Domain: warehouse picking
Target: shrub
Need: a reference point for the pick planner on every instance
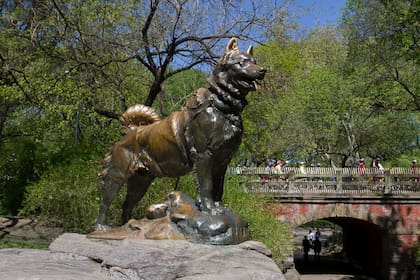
(66, 196)
(263, 225)
(16, 169)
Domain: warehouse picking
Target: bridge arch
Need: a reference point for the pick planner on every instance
(332, 210)
(377, 236)
(338, 210)
(365, 245)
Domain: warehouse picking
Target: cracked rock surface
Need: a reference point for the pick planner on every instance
(73, 256)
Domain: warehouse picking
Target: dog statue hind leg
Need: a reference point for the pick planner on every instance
(137, 186)
(119, 166)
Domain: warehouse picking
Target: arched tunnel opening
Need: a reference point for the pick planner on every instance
(349, 246)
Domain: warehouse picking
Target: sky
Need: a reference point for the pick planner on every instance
(315, 13)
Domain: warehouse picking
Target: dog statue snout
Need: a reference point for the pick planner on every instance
(262, 70)
(261, 73)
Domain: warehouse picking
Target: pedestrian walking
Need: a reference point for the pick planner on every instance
(317, 248)
(306, 247)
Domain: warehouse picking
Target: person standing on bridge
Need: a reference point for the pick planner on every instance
(278, 167)
(302, 167)
(376, 163)
(361, 167)
(414, 169)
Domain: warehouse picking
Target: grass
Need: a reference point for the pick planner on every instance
(16, 242)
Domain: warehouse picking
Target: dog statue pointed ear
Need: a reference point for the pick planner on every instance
(232, 45)
(250, 51)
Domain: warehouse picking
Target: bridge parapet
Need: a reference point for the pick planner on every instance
(369, 181)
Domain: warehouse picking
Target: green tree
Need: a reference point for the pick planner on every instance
(177, 89)
(163, 38)
(383, 39)
(78, 64)
(319, 109)
(269, 109)
(343, 120)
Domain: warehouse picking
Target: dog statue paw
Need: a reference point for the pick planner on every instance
(101, 228)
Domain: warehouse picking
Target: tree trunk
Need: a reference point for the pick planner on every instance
(155, 89)
(353, 150)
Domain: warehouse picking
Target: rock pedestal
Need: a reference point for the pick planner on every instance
(73, 256)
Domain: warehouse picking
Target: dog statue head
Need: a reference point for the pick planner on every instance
(237, 73)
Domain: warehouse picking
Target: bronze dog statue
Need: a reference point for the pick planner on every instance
(201, 138)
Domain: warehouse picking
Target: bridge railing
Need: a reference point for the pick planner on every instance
(330, 180)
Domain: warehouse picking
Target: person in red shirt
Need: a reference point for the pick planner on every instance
(361, 167)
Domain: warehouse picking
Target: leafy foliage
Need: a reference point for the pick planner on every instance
(268, 110)
(262, 224)
(177, 89)
(321, 109)
(383, 41)
(67, 196)
(16, 163)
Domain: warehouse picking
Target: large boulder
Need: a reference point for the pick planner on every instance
(73, 256)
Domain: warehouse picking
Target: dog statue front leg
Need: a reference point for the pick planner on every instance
(204, 184)
(205, 189)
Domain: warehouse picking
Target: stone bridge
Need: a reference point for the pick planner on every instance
(379, 212)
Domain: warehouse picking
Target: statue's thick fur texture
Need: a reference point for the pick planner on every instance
(202, 138)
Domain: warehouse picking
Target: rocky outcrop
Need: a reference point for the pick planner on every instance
(73, 256)
(27, 229)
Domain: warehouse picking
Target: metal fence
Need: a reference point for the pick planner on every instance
(395, 180)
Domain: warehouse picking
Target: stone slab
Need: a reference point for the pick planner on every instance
(73, 256)
(31, 264)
